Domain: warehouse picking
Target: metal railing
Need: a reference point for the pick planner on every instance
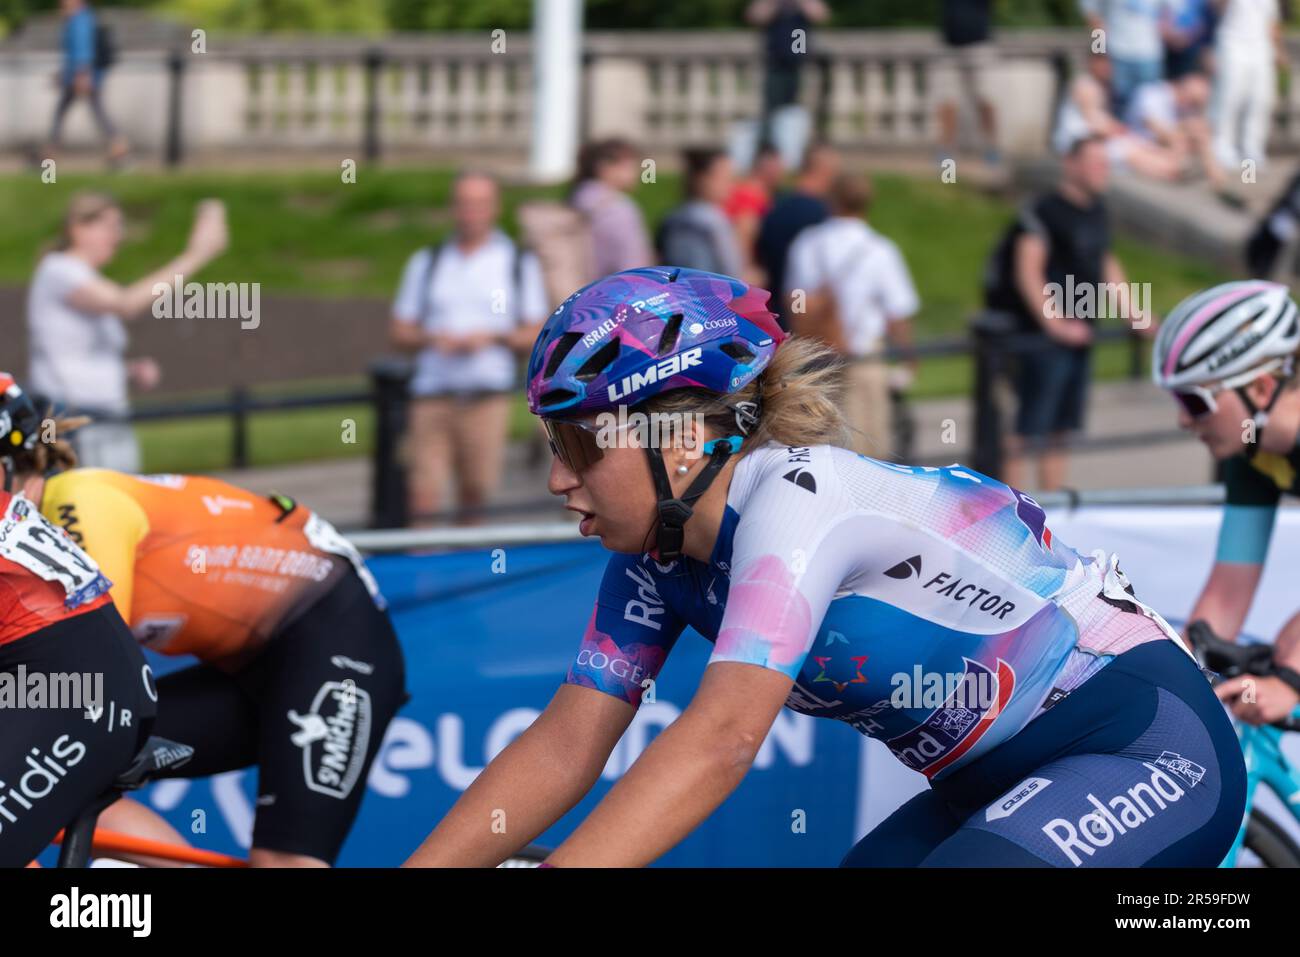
(992, 345)
(238, 407)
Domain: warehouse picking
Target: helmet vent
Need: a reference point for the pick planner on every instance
(599, 362)
(737, 351)
(563, 346)
(672, 331)
(555, 397)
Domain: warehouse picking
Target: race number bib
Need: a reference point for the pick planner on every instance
(28, 539)
(326, 537)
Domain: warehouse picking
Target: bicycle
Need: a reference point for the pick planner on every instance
(1261, 747)
(77, 838)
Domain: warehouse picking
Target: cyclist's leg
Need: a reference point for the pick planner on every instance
(905, 837)
(55, 761)
(211, 712)
(335, 678)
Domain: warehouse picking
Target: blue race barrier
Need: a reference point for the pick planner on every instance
(488, 637)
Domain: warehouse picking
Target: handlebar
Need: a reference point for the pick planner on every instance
(1227, 659)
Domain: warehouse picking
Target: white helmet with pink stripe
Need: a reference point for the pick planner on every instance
(1228, 334)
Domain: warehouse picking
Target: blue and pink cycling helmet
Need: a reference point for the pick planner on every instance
(639, 333)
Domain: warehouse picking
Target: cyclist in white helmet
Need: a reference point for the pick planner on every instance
(1227, 354)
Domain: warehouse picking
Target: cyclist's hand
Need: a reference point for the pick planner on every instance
(1257, 700)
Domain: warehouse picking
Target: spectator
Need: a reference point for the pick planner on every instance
(698, 234)
(858, 292)
(607, 171)
(751, 198)
(1131, 30)
(1272, 245)
(1172, 116)
(1188, 32)
(84, 64)
(462, 307)
(1085, 112)
(1248, 48)
(967, 32)
(803, 206)
(786, 24)
(1061, 242)
(77, 340)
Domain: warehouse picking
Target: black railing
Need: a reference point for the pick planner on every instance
(994, 344)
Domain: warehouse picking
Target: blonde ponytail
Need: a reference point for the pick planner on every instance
(800, 394)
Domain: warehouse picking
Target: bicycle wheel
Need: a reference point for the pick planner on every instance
(1269, 843)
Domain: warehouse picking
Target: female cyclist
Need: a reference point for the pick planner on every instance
(1078, 732)
(57, 626)
(1228, 356)
(299, 668)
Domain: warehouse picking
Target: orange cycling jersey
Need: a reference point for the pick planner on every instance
(199, 566)
(44, 576)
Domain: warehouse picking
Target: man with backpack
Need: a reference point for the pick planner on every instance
(464, 308)
(88, 52)
(857, 295)
(1052, 268)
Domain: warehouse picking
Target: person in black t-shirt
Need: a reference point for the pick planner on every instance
(967, 31)
(785, 49)
(1064, 273)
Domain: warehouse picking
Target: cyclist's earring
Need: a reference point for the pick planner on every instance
(682, 469)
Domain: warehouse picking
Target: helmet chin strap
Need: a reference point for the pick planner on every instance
(1258, 415)
(674, 511)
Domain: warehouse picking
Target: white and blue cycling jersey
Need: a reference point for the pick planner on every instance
(933, 609)
(877, 587)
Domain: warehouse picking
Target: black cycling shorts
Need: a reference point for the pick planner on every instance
(56, 760)
(1138, 767)
(310, 711)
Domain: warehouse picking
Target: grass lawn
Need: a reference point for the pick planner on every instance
(311, 233)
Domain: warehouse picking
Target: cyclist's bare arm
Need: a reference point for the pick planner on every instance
(689, 769)
(1226, 598)
(531, 784)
